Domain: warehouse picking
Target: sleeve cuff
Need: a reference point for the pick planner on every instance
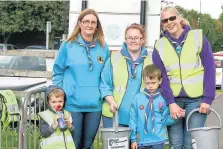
(170, 101)
(207, 100)
(133, 140)
(104, 95)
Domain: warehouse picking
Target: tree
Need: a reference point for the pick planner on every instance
(209, 25)
(20, 16)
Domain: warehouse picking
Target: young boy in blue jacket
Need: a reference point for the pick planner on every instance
(149, 113)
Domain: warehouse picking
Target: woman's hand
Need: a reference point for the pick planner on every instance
(204, 108)
(175, 111)
(113, 105)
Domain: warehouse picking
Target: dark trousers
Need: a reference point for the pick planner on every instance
(85, 128)
(158, 146)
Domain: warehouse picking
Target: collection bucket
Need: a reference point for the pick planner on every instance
(204, 137)
(115, 137)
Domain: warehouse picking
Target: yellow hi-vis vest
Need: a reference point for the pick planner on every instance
(56, 140)
(9, 108)
(120, 79)
(184, 70)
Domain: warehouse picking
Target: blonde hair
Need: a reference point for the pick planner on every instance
(57, 93)
(183, 21)
(99, 35)
(138, 27)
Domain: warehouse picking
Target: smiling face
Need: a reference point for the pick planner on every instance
(88, 25)
(171, 22)
(134, 40)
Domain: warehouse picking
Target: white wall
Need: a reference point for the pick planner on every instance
(116, 15)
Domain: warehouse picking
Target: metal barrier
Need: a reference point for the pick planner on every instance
(33, 104)
(25, 134)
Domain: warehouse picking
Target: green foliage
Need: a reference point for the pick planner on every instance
(20, 16)
(211, 27)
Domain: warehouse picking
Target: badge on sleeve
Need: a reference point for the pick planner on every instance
(100, 60)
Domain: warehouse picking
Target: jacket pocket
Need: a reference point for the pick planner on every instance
(87, 96)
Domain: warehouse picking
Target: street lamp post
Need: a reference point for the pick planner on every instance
(222, 26)
(222, 47)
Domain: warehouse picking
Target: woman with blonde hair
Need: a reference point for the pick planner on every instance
(185, 58)
(77, 70)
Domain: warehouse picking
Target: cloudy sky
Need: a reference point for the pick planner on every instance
(213, 7)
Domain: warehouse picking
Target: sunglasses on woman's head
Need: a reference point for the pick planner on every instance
(170, 19)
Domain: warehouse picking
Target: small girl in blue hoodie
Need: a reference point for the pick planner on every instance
(149, 113)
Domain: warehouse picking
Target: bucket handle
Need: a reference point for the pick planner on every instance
(115, 121)
(196, 110)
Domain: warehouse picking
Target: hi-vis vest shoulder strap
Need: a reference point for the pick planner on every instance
(186, 69)
(120, 79)
(9, 108)
(56, 140)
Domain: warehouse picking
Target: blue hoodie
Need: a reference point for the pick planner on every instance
(133, 85)
(77, 70)
(157, 120)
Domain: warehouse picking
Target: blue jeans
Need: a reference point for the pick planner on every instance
(85, 128)
(178, 135)
(108, 122)
(157, 146)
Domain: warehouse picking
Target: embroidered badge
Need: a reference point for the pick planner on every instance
(141, 107)
(100, 60)
(160, 106)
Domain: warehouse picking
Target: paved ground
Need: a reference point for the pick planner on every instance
(212, 119)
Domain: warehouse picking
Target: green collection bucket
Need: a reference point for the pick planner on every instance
(204, 137)
(115, 137)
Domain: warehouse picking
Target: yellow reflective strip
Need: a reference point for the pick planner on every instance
(54, 139)
(119, 89)
(160, 48)
(194, 79)
(116, 57)
(173, 80)
(197, 39)
(13, 108)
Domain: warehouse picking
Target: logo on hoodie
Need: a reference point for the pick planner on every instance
(100, 60)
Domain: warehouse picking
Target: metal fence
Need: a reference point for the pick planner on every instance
(25, 133)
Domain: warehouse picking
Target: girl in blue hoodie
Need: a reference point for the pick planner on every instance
(77, 70)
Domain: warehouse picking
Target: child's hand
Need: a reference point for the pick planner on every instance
(55, 124)
(134, 145)
(182, 113)
(67, 121)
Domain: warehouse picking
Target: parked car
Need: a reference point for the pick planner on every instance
(18, 83)
(36, 47)
(219, 68)
(7, 47)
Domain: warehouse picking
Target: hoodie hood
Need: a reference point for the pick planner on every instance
(184, 33)
(49, 90)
